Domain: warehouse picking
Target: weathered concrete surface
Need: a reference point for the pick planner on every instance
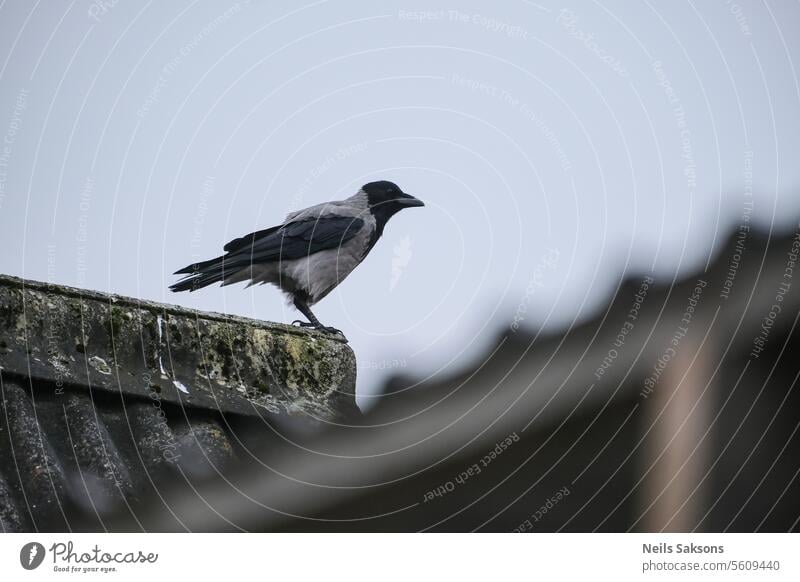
(76, 338)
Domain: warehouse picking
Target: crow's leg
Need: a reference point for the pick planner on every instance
(302, 306)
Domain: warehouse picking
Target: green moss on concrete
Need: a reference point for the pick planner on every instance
(197, 359)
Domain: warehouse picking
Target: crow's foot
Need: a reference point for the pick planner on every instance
(319, 327)
(332, 330)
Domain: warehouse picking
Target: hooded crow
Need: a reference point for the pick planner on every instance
(310, 253)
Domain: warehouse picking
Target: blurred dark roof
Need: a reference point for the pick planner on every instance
(710, 445)
(691, 425)
(104, 397)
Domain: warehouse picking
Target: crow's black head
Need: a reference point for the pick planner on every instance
(386, 198)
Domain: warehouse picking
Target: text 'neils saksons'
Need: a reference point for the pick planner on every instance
(664, 548)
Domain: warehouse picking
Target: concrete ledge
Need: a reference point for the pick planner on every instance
(72, 337)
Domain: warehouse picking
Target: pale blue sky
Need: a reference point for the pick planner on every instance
(557, 146)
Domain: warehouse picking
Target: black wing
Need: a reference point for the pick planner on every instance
(294, 240)
(249, 239)
(300, 239)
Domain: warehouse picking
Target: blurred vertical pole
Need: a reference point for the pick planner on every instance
(677, 448)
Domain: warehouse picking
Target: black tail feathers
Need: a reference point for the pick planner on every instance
(199, 275)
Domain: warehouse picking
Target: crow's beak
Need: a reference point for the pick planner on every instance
(409, 201)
